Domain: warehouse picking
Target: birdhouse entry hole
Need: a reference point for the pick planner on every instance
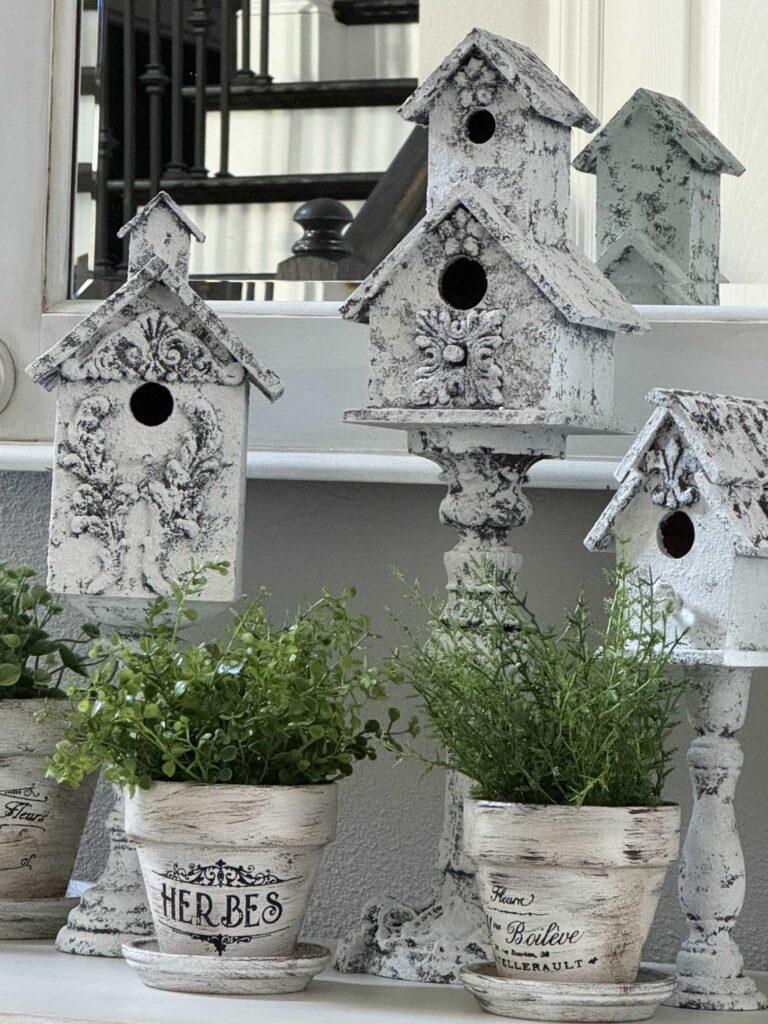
(463, 283)
(676, 534)
(480, 126)
(151, 404)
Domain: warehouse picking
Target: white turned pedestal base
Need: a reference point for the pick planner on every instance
(114, 910)
(432, 943)
(711, 884)
(484, 470)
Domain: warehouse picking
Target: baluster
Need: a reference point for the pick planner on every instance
(711, 883)
(129, 118)
(244, 74)
(176, 168)
(198, 21)
(225, 78)
(101, 263)
(154, 80)
(263, 77)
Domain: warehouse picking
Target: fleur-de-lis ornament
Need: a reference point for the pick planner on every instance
(673, 466)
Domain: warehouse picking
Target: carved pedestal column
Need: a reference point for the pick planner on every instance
(114, 910)
(484, 470)
(711, 886)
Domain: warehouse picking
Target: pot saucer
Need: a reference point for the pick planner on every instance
(34, 919)
(213, 974)
(566, 1001)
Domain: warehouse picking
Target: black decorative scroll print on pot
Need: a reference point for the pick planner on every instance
(198, 901)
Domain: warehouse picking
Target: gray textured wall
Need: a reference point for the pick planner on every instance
(300, 536)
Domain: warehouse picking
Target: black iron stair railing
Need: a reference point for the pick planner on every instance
(256, 188)
(162, 65)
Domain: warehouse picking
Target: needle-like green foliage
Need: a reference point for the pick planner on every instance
(534, 715)
(34, 656)
(260, 705)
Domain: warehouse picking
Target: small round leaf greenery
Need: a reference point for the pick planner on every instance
(34, 657)
(577, 716)
(258, 706)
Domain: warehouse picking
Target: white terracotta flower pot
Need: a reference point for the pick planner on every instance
(229, 869)
(569, 892)
(41, 822)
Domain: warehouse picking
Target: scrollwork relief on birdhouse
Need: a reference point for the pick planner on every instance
(151, 413)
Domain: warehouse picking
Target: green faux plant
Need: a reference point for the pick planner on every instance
(534, 715)
(34, 658)
(258, 706)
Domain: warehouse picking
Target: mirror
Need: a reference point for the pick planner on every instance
(274, 125)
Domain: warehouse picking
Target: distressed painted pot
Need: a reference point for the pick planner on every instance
(229, 869)
(41, 822)
(569, 893)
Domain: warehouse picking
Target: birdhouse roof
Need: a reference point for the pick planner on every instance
(525, 72)
(121, 307)
(671, 280)
(728, 437)
(676, 124)
(565, 276)
(161, 199)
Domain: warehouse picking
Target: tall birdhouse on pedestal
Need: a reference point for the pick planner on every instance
(691, 513)
(491, 339)
(658, 201)
(151, 416)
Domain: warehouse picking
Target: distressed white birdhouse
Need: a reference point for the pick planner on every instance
(485, 313)
(151, 416)
(658, 201)
(500, 118)
(691, 511)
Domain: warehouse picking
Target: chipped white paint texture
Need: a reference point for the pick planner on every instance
(160, 229)
(484, 469)
(658, 201)
(40, 822)
(149, 475)
(114, 910)
(569, 892)
(581, 1003)
(229, 869)
(533, 113)
(254, 976)
(152, 405)
(491, 339)
(711, 884)
(705, 457)
(545, 308)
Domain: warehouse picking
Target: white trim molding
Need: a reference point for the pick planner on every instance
(350, 467)
(323, 361)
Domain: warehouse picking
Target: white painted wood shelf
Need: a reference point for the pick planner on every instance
(39, 984)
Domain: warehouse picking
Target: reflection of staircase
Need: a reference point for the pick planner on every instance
(175, 103)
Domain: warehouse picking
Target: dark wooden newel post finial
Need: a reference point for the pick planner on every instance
(323, 222)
